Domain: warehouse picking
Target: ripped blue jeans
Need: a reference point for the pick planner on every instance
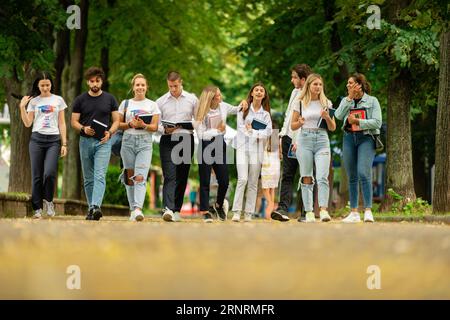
(136, 155)
(313, 148)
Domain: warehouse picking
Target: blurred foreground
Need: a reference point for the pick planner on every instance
(118, 259)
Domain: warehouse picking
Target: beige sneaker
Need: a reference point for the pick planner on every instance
(236, 217)
(368, 216)
(310, 217)
(324, 216)
(353, 217)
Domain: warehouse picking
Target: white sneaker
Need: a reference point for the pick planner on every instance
(353, 217)
(310, 217)
(37, 214)
(368, 216)
(324, 216)
(132, 216)
(247, 217)
(176, 217)
(49, 208)
(236, 217)
(168, 215)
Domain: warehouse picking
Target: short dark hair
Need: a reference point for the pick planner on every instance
(173, 76)
(43, 75)
(94, 72)
(302, 70)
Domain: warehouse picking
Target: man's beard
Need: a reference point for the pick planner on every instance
(95, 89)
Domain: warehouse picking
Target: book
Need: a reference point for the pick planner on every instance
(214, 121)
(322, 123)
(183, 124)
(147, 118)
(359, 113)
(99, 128)
(291, 154)
(258, 125)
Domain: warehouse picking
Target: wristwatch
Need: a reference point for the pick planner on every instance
(82, 129)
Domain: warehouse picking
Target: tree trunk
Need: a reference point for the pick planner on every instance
(72, 165)
(399, 168)
(441, 196)
(20, 169)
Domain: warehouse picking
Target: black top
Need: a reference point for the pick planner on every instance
(98, 108)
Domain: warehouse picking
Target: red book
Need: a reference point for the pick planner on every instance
(359, 113)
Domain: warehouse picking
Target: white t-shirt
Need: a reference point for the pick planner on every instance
(136, 108)
(46, 111)
(311, 113)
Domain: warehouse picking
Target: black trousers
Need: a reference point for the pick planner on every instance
(44, 155)
(176, 152)
(290, 167)
(209, 159)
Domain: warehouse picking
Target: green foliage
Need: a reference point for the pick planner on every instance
(115, 192)
(417, 206)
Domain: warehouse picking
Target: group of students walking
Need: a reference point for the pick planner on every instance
(176, 115)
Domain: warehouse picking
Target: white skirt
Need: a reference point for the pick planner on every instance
(270, 170)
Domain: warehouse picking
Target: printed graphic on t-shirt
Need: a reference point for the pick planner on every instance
(138, 112)
(47, 110)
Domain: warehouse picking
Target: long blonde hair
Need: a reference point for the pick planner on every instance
(305, 95)
(205, 102)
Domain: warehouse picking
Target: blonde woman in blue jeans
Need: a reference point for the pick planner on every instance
(136, 151)
(358, 149)
(313, 144)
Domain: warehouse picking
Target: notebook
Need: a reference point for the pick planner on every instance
(322, 123)
(99, 128)
(258, 125)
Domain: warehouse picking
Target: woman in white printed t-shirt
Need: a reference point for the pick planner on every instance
(254, 127)
(48, 141)
(136, 151)
(313, 144)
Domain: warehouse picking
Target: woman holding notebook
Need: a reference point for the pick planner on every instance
(312, 115)
(361, 114)
(140, 118)
(254, 127)
(210, 123)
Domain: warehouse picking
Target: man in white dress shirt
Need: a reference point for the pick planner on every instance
(176, 145)
(299, 73)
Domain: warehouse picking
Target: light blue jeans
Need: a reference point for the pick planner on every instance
(136, 155)
(313, 147)
(94, 163)
(358, 154)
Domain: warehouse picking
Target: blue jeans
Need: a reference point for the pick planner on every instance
(136, 155)
(358, 154)
(94, 163)
(313, 147)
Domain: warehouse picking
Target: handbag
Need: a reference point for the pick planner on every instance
(379, 146)
(116, 139)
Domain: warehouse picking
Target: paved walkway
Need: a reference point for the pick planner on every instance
(118, 259)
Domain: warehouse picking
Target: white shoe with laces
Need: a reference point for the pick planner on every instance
(247, 217)
(49, 208)
(353, 217)
(168, 215)
(236, 217)
(132, 216)
(310, 217)
(37, 214)
(368, 216)
(138, 215)
(324, 216)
